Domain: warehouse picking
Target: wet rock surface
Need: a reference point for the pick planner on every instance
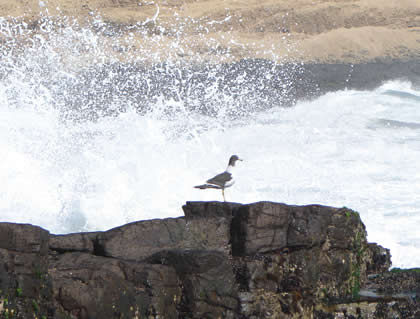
(397, 281)
(222, 260)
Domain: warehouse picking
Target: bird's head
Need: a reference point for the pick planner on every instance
(233, 160)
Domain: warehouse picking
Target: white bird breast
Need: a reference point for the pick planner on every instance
(230, 183)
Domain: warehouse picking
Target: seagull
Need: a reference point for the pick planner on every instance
(222, 180)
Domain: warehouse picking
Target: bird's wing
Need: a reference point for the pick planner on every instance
(205, 186)
(220, 179)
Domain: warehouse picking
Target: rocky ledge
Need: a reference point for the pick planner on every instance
(222, 260)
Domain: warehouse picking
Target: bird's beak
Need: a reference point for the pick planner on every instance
(240, 159)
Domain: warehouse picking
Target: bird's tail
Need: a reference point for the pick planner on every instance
(204, 186)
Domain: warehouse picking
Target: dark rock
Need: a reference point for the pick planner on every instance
(259, 228)
(222, 260)
(24, 280)
(209, 209)
(82, 242)
(397, 281)
(24, 238)
(305, 248)
(381, 259)
(139, 240)
(88, 286)
(209, 287)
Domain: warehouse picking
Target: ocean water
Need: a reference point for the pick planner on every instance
(89, 143)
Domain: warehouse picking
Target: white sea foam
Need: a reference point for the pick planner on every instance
(358, 149)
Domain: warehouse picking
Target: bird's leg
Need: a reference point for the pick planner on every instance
(223, 193)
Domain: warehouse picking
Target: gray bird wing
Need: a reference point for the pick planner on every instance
(220, 179)
(205, 186)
